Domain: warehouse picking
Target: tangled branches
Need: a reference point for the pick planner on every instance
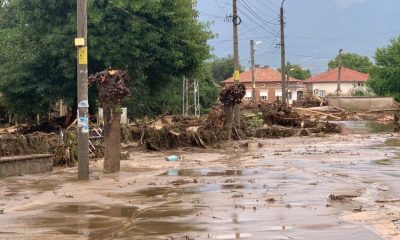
(232, 94)
(113, 86)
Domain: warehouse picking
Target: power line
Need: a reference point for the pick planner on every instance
(345, 38)
(154, 27)
(261, 4)
(258, 16)
(260, 23)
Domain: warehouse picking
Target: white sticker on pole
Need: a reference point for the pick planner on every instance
(83, 123)
(83, 104)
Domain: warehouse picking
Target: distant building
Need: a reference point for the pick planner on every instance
(268, 85)
(326, 83)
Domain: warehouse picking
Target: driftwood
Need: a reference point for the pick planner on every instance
(72, 124)
(318, 113)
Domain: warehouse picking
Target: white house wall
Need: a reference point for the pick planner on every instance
(330, 88)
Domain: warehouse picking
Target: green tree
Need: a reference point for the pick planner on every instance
(352, 61)
(156, 41)
(297, 71)
(222, 68)
(384, 77)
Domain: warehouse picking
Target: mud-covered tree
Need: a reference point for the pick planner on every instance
(384, 77)
(156, 41)
(113, 87)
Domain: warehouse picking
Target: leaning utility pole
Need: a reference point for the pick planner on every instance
(253, 77)
(82, 86)
(236, 74)
(338, 91)
(283, 61)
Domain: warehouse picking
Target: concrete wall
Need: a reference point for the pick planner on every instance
(363, 103)
(17, 165)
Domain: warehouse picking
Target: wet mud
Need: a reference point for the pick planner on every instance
(335, 187)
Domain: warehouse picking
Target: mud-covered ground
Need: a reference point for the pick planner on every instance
(331, 187)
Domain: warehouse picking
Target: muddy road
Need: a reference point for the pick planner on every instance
(330, 187)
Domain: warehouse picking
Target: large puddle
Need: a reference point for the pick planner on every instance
(286, 196)
(357, 127)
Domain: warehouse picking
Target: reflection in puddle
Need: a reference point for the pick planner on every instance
(234, 236)
(211, 172)
(354, 127)
(383, 162)
(110, 222)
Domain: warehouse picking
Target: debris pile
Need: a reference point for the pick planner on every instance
(17, 144)
(280, 114)
(310, 101)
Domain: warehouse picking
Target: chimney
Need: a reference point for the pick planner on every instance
(257, 65)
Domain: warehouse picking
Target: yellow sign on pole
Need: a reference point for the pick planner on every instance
(236, 75)
(83, 55)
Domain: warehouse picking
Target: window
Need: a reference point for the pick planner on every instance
(263, 95)
(321, 93)
(248, 95)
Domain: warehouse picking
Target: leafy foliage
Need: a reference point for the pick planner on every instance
(352, 61)
(297, 71)
(158, 42)
(222, 68)
(385, 76)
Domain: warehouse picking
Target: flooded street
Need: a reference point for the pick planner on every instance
(328, 187)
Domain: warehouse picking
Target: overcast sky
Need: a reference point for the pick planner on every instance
(315, 29)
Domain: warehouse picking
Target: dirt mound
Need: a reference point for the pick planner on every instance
(17, 144)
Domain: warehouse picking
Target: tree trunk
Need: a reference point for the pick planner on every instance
(396, 122)
(228, 111)
(112, 139)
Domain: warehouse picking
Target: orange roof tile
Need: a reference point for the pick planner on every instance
(262, 75)
(347, 75)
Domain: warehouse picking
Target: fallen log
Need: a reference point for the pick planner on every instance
(318, 113)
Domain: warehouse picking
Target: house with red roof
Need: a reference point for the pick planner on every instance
(267, 85)
(326, 83)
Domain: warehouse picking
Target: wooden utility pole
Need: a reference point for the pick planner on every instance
(253, 74)
(338, 91)
(82, 86)
(283, 60)
(236, 74)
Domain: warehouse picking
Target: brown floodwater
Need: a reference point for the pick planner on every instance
(335, 187)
